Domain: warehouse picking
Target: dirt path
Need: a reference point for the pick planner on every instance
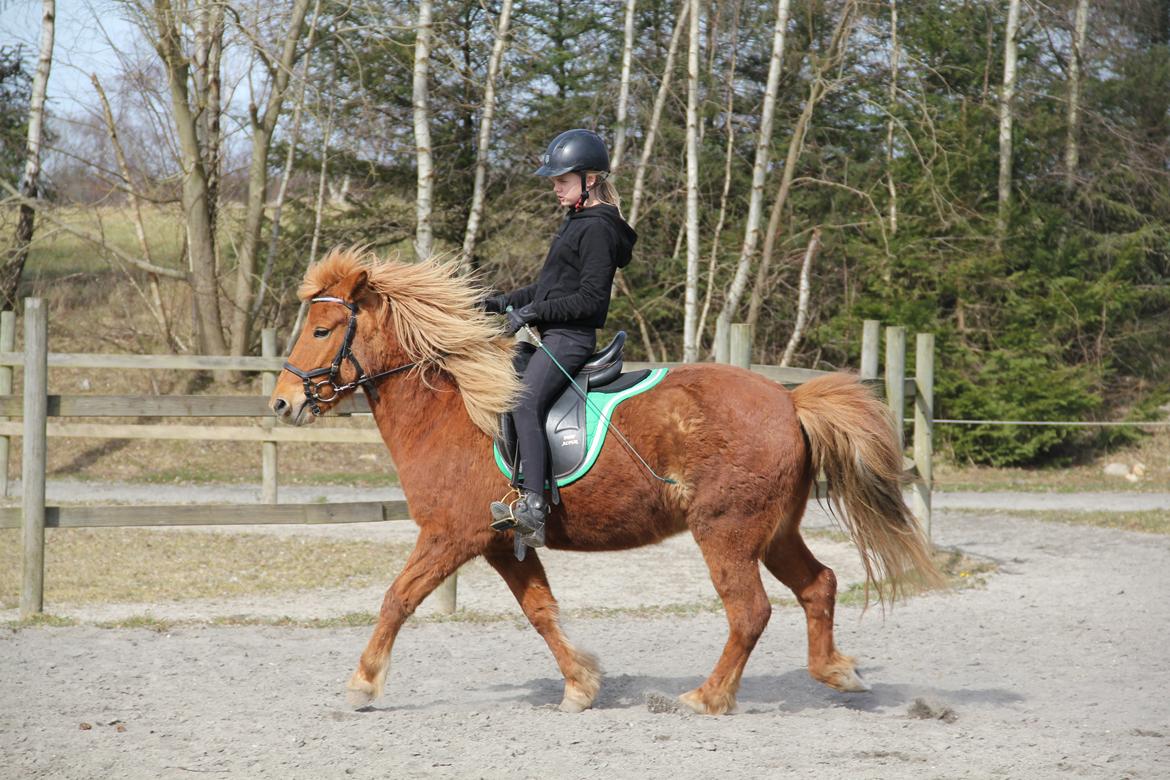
(1056, 668)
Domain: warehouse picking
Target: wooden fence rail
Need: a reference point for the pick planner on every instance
(35, 406)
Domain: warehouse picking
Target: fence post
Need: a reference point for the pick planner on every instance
(871, 336)
(7, 344)
(924, 425)
(896, 379)
(722, 342)
(741, 345)
(268, 451)
(36, 410)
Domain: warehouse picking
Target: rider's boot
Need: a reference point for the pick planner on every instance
(530, 513)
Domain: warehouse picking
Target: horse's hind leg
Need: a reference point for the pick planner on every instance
(815, 586)
(529, 585)
(435, 557)
(735, 572)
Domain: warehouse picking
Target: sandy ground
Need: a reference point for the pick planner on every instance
(1057, 667)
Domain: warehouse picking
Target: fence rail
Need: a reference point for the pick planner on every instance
(35, 406)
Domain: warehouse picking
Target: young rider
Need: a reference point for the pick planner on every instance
(567, 304)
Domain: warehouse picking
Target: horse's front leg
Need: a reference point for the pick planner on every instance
(434, 559)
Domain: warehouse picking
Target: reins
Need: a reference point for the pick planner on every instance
(314, 390)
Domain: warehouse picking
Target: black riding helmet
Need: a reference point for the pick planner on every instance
(575, 151)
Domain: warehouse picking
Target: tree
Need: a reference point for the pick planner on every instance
(1006, 98)
(691, 316)
(17, 256)
(424, 236)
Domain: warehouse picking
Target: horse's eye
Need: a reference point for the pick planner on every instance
(320, 333)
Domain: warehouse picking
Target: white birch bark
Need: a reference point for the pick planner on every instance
(656, 114)
(894, 54)
(691, 313)
(619, 142)
(1006, 99)
(1072, 150)
(424, 237)
(810, 254)
(485, 133)
(759, 169)
(13, 268)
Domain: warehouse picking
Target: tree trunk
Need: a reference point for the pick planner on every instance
(810, 254)
(816, 91)
(1005, 121)
(263, 127)
(691, 313)
(196, 205)
(208, 81)
(619, 142)
(424, 237)
(729, 127)
(890, 187)
(1072, 151)
(656, 114)
(13, 270)
(759, 169)
(485, 134)
(317, 214)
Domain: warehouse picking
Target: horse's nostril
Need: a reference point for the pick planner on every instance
(280, 406)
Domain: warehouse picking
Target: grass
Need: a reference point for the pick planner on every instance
(1148, 522)
(120, 565)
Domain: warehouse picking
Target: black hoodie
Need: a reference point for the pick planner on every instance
(573, 287)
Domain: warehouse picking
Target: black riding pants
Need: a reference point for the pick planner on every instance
(543, 384)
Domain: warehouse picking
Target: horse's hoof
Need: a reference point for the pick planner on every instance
(846, 680)
(715, 705)
(573, 704)
(359, 693)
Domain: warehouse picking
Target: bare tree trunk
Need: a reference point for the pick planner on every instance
(424, 237)
(154, 303)
(759, 169)
(263, 127)
(286, 175)
(691, 305)
(485, 134)
(317, 213)
(196, 205)
(816, 91)
(619, 143)
(656, 113)
(810, 254)
(729, 126)
(1072, 151)
(1005, 121)
(13, 269)
(893, 190)
(208, 82)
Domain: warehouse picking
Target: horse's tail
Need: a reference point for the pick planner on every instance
(851, 439)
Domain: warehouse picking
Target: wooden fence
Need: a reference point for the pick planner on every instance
(36, 406)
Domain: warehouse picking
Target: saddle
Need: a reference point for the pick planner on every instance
(567, 425)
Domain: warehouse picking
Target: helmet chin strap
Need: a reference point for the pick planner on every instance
(584, 193)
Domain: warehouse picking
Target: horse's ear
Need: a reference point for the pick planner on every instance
(353, 286)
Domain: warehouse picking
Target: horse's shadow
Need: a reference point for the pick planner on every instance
(790, 692)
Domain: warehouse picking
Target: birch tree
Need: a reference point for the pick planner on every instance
(1006, 98)
(263, 126)
(619, 142)
(1072, 151)
(13, 269)
(485, 134)
(424, 236)
(690, 317)
(892, 207)
(810, 253)
(759, 171)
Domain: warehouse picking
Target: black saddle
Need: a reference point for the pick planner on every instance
(565, 426)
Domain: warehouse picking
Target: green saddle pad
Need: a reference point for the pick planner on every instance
(576, 430)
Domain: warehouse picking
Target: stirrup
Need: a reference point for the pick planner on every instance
(503, 518)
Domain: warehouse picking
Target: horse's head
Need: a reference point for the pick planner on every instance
(339, 349)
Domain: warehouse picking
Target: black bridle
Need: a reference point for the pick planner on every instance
(314, 391)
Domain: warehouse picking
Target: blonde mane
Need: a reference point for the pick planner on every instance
(433, 313)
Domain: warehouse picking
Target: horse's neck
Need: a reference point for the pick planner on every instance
(424, 423)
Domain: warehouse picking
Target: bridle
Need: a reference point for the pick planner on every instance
(315, 391)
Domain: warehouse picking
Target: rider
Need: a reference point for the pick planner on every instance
(567, 303)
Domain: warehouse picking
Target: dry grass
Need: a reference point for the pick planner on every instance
(1148, 522)
(130, 565)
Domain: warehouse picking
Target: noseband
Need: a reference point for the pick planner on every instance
(315, 392)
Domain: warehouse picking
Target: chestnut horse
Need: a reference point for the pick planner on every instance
(742, 453)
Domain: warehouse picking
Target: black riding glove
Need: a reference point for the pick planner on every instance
(518, 318)
(494, 304)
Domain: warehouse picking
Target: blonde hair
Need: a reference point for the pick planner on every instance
(604, 191)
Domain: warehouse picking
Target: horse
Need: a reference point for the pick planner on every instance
(738, 454)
